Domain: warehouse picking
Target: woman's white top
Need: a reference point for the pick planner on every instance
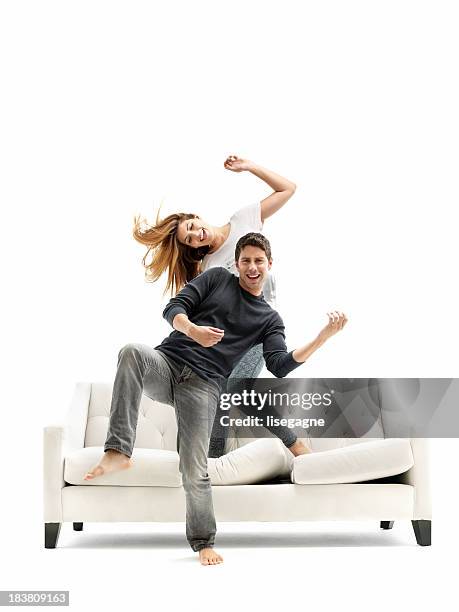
(245, 220)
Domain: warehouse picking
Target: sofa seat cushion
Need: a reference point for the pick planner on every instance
(355, 463)
(151, 467)
(255, 462)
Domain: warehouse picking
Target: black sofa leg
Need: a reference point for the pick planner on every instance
(77, 526)
(387, 524)
(423, 532)
(52, 531)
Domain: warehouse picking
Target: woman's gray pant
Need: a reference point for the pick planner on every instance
(249, 366)
(142, 369)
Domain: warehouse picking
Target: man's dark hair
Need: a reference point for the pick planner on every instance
(253, 239)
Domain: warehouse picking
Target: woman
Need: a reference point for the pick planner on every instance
(183, 245)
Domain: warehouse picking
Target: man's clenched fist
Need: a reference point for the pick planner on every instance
(205, 336)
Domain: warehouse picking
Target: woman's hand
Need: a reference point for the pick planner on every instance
(236, 164)
(336, 322)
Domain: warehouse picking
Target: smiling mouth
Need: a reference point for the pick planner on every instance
(203, 234)
(253, 276)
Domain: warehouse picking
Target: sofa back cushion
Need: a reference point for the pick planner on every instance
(157, 426)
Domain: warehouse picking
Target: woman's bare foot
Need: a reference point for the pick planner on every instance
(112, 461)
(208, 556)
(299, 448)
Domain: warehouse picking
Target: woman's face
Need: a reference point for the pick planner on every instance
(194, 232)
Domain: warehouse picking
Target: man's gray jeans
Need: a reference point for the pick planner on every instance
(143, 369)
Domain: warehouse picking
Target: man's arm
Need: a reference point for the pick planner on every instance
(304, 352)
(279, 361)
(187, 302)
(193, 293)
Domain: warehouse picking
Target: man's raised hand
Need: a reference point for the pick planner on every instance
(336, 322)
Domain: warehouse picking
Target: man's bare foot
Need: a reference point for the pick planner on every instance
(299, 448)
(112, 461)
(208, 556)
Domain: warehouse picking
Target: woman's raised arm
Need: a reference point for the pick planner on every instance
(283, 188)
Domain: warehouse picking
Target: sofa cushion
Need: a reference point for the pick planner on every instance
(355, 463)
(254, 462)
(150, 468)
(156, 425)
(257, 461)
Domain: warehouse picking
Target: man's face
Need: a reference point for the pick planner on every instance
(253, 267)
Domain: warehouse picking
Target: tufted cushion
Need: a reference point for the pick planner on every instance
(255, 462)
(354, 463)
(156, 426)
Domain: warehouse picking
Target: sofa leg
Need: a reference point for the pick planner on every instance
(77, 526)
(52, 531)
(423, 532)
(387, 524)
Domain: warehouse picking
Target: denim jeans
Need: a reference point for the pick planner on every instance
(249, 366)
(143, 369)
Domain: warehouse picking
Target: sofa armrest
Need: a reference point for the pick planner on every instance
(419, 477)
(53, 473)
(58, 441)
(77, 417)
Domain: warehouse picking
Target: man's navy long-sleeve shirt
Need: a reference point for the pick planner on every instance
(215, 298)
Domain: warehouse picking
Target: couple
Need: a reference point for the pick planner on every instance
(218, 318)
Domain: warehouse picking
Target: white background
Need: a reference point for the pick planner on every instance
(109, 108)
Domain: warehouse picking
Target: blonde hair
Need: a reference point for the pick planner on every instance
(182, 262)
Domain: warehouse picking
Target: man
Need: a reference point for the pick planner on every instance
(217, 317)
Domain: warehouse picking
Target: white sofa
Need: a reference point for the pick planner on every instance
(256, 480)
